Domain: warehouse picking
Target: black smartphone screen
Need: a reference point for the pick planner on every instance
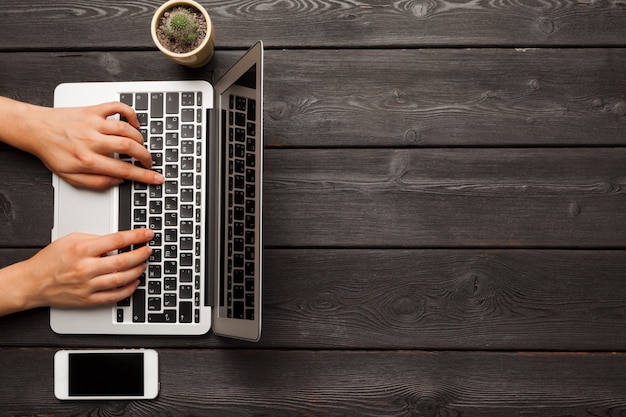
(106, 374)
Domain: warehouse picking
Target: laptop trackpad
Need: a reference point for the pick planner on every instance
(86, 211)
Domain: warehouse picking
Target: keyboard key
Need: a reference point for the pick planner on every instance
(156, 105)
(172, 103)
(168, 316)
(139, 306)
(185, 312)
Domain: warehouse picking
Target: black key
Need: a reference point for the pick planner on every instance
(156, 207)
(157, 159)
(186, 147)
(238, 310)
(171, 235)
(250, 222)
(187, 115)
(171, 103)
(156, 223)
(240, 103)
(186, 275)
(240, 119)
(120, 315)
(127, 98)
(170, 284)
(186, 227)
(156, 127)
(169, 300)
(251, 109)
(187, 179)
(250, 175)
(168, 316)
(156, 191)
(249, 300)
(171, 123)
(251, 129)
(238, 292)
(143, 119)
(154, 303)
(186, 292)
(156, 105)
(250, 160)
(140, 215)
(185, 312)
(156, 143)
(125, 190)
(188, 99)
(171, 267)
(171, 139)
(186, 259)
(188, 131)
(154, 287)
(139, 306)
(250, 207)
(186, 243)
(155, 257)
(141, 101)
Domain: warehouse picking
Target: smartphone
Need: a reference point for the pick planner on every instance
(114, 374)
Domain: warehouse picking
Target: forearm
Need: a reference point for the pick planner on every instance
(16, 123)
(14, 295)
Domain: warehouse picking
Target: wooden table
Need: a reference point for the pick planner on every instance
(445, 207)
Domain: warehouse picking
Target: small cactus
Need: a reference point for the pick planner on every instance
(182, 26)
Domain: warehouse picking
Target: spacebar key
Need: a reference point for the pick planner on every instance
(125, 191)
(139, 306)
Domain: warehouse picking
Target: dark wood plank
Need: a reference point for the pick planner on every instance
(521, 197)
(26, 201)
(240, 382)
(409, 299)
(449, 97)
(106, 24)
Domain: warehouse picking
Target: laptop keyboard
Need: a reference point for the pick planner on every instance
(240, 188)
(170, 289)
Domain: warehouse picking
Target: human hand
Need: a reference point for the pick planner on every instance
(75, 143)
(75, 270)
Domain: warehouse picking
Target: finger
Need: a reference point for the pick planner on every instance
(114, 271)
(122, 129)
(91, 181)
(111, 143)
(132, 172)
(116, 107)
(114, 241)
(114, 168)
(113, 295)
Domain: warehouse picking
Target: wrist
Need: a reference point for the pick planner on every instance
(15, 123)
(15, 295)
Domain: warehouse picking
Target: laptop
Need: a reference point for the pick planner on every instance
(206, 267)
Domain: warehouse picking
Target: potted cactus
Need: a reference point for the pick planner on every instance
(182, 30)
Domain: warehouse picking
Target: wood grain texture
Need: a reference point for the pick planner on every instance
(445, 197)
(26, 201)
(106, 24)
(535, 300)
(361, 383)
(432, 98)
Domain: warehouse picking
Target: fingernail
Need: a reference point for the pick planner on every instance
(158, 177)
